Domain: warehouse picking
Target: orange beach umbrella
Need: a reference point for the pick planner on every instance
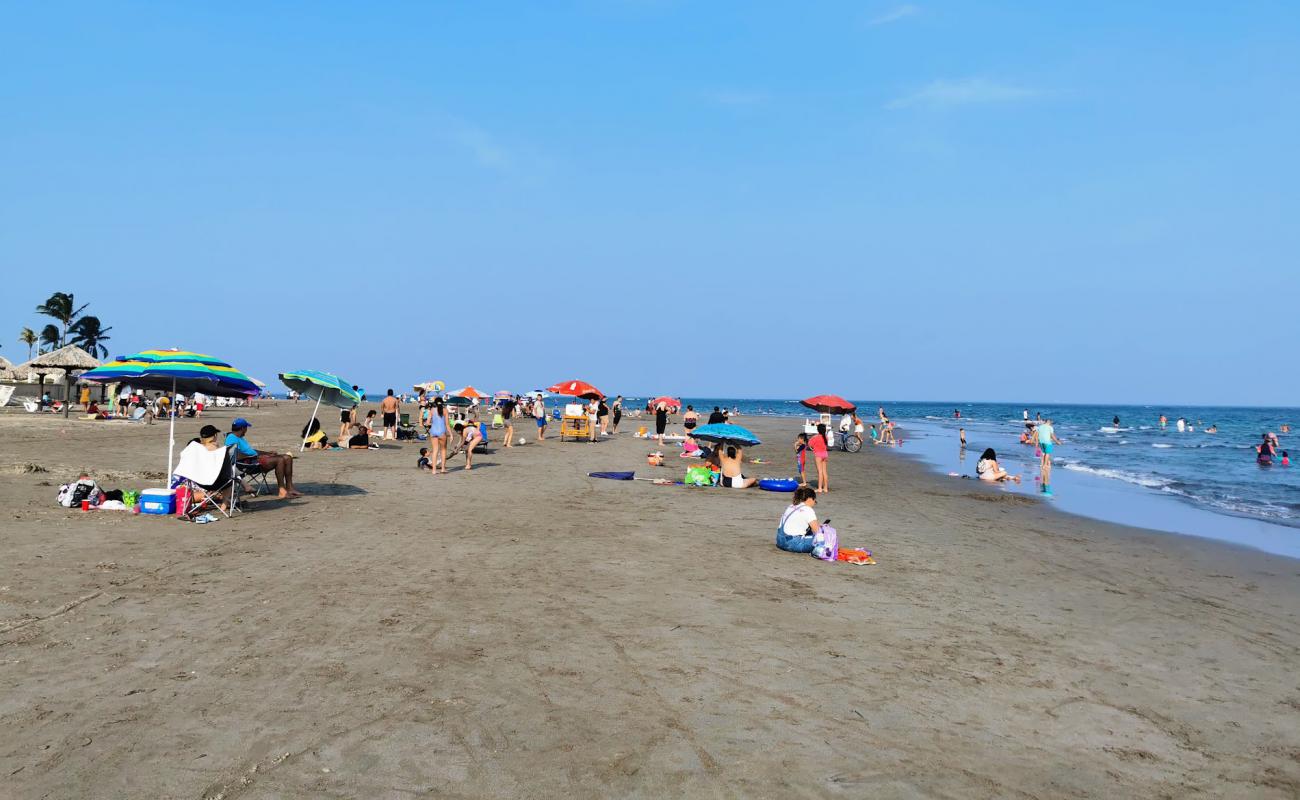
(470, 393)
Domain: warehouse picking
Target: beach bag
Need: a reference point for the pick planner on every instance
(71, 494)
(826, 544)
(699, 476)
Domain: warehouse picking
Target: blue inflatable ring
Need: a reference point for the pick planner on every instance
(778, 484)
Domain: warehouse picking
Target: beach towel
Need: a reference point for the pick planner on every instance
(853, 556)
(199, 464)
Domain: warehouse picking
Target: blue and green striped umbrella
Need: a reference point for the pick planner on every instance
(175, 371)
(324, 387)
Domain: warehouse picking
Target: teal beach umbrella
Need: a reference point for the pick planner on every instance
(323, 387)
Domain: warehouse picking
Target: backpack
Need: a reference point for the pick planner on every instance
(71, 494)
(826, 544)
(699, 476)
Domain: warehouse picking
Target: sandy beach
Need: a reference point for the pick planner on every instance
(523, 630)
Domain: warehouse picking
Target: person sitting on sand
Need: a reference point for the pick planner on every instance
(260, 460)
(988, 469)
(690, 449)
(732, 476)
(313, 436)
(798, 525)
(423, 461)
(359, 438)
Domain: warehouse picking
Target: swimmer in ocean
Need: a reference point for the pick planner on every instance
(1116, 421)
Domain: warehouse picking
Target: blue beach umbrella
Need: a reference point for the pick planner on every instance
(725, 433)
(174, 371)
(323, 387)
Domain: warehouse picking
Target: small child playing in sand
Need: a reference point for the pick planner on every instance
(423, 462)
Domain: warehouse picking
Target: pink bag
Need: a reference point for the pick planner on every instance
(826, 544)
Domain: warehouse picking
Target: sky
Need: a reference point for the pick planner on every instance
(1048, 202)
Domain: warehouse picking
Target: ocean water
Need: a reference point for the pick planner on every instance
(1215, 472)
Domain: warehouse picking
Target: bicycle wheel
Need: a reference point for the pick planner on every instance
(851, 442)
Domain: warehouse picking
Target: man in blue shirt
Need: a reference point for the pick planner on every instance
(260, 460)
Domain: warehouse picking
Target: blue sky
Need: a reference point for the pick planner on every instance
(932, 200)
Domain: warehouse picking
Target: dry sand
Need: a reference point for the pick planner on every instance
(523, 630)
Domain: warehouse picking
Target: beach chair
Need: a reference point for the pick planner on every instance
(252, 477)
(210, 475)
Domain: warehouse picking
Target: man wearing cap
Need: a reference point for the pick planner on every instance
(264, 461)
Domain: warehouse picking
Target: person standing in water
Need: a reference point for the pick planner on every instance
(961, 433)
(1115, 421)
(1163, 421)
(1046, 441)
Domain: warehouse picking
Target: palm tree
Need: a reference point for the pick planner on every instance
(49, 339)
(29, 338)
(61, 307)
(89, 336)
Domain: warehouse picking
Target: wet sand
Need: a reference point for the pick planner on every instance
(523, 630)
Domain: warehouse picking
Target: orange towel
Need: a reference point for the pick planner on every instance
(855, 556)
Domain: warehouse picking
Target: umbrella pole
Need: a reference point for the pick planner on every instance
(313, 416)
(171, 435)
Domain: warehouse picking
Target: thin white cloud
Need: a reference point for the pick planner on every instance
(482, 146)
(895, 14)
(736, 98)
(943, 94)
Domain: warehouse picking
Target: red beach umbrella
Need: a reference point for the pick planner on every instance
(671, 402)
(829, 404)
(576, 389)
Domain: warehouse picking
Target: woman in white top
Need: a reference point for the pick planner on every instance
(989, 470)
(794, 533)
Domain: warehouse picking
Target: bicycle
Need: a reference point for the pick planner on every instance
(849, 442)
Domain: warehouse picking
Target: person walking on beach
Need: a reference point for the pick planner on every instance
(602, 416)
(539, 414)
(390, 406)
(821, 455)
(1046, 441)
(200, 401)
(508, 419)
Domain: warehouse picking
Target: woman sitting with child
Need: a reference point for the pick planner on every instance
(798, 525)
